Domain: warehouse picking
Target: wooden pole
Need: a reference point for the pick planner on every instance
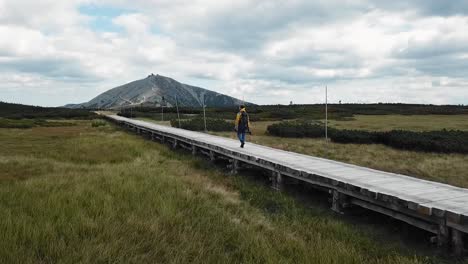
(204, 114)
(162, 109)
(177, 107)
(326, 113)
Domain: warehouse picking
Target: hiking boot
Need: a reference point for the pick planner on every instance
(242, 144)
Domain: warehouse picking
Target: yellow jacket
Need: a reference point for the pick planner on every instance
(238, 119)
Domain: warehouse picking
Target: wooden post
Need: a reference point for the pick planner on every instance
(338, 201)
(163, 139)
(174, 144)
(457, 242)
(276, 181)
(212, 156)
(443, 238)
(194, 150)
(234, 165)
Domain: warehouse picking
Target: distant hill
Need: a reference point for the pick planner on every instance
(155, 90)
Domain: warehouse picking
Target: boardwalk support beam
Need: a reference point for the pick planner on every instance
(443, 238)
(212, 156)
(234, 166)
(276, 181)
(194, 150)
(338, 201)
(457, 242)
(430, 227)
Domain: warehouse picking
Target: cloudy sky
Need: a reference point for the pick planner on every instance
(56, 52)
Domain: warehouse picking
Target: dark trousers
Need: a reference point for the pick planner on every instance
(241, 135)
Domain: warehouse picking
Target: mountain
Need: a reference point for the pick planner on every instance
(155, 90)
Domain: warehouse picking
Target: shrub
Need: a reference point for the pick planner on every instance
(297, 129)
(283, 114)
(354, 136)
(443, 141)
(11, 123)
(98, 123)
(431, 141)
(437, 141)
(197, 124)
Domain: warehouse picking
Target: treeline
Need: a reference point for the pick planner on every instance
(306, 112)
(19, 111)
(444, 141)
(197, 124)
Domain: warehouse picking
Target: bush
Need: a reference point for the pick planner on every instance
(437, 141)
(197, 124)
(431, 141)
(354, 136)
(10, 123)
(98, 123)
(443, 141)
(283, 114)
(297, 129)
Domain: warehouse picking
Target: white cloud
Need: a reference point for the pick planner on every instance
(271, 52)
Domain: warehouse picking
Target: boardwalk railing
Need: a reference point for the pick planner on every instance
(435, 207)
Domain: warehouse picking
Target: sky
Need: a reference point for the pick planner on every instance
(267, 52)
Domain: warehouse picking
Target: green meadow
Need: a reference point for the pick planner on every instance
(92, 193)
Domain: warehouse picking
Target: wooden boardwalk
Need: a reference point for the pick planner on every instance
(435, 207)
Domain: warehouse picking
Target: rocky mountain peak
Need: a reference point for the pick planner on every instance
(157, 90)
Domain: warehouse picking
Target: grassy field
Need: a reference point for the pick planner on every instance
(84, 194)
(404, 122)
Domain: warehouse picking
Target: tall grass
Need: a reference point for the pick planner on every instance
(95, 194)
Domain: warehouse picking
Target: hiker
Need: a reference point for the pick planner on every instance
(242, 125)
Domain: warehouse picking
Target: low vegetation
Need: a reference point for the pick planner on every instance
(87, 194)
(296, 129)
(402, 122)
(445, 141)
(338, 112)
(98, 123)
(198, 124)
(29, 123)
(18, 111)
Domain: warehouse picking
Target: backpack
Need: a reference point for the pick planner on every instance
(244, 120)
